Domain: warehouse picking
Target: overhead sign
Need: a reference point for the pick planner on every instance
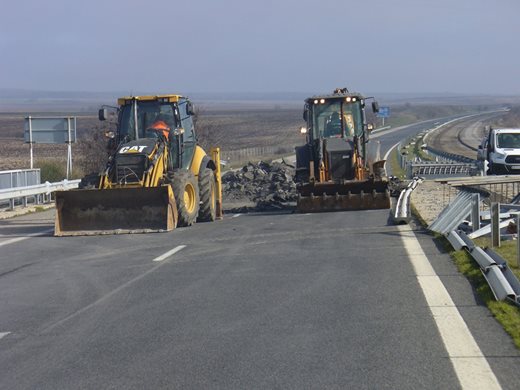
(50, 130)
(384, 112)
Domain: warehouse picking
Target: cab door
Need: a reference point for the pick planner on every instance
(188, 140)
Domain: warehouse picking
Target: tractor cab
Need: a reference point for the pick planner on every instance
(168, 117)
(334, 116)
(332, 169)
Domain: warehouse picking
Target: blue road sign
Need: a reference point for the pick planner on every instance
(384, 112)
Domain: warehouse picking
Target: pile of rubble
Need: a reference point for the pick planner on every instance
(267, 186)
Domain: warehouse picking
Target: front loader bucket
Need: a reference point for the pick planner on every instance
(115, 211)
(351, 195)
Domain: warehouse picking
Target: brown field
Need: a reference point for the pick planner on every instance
(266, 131)
(277, 129)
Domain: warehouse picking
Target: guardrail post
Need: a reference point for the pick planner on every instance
(518, 240)
(475, 211)
(409, 170)
(495, 225)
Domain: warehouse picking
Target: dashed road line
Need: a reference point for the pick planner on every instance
(469, 363)
(18, 239)
(3, 334)
(236, 215)
(169, 253)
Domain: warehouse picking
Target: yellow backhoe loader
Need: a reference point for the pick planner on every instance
(157, 177)
(333, 169)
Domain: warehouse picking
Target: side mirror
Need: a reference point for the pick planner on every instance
(305, 115)
(375, 106)
(190, 108)
(103, 114)
(303, 130)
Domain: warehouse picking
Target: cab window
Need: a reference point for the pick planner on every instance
(149, 114)
(335, 118)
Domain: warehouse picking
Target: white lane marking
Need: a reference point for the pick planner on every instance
(3, 334)
(429, 131)
(169, 253)
(18, 239)
(236, 215)
(113, 292)
(470, 365)
(390, 151)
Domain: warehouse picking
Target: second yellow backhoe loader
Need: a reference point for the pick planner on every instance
(157, 177)
(333, 168)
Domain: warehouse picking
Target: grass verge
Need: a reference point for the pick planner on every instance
(507, 250)
(507, 314)
(395, 167)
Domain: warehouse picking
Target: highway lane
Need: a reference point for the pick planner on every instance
(463, 137)
(286, 301)
(389, 138)
(254, 301)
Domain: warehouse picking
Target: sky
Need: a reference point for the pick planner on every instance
(390, 46)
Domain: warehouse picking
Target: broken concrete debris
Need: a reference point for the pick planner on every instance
(269, 185)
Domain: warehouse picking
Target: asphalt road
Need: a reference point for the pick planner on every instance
(463, 137)
(282, 300)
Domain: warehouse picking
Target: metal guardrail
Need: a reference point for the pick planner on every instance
(402, 209)
(500, 278)
(440, 169)
(446, 164)
(452, 156)
(465, 204)
(494, 268)
(46, 189)
(19, 178)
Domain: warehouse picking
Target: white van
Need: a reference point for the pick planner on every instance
(502, 151)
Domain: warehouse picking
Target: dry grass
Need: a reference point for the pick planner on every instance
(231, 130)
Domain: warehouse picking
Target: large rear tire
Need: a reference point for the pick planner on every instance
(208, 196)
(186, 192)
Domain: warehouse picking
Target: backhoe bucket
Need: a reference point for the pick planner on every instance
(115, 211)
(350, 195)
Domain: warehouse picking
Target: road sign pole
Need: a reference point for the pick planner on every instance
(69, 151)
(31, 141)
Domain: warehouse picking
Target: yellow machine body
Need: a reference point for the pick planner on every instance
(333, 170)
(135, 193)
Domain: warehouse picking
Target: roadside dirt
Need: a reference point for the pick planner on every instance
(430, 198)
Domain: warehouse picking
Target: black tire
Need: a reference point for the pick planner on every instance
(208, 196)
(89, 182)
(493, 170)
(186, 192)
